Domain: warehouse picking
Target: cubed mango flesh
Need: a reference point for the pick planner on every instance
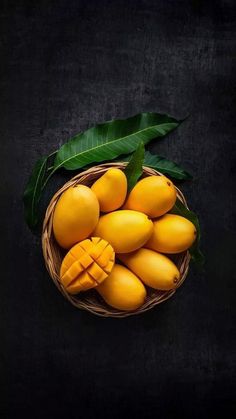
(86, 265)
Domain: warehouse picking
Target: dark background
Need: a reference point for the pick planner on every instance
(66, 65)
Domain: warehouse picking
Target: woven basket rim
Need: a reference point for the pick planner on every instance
(53, 254)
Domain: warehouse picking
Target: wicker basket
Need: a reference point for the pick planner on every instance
(53, 254)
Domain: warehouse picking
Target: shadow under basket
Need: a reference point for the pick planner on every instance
(53, 253)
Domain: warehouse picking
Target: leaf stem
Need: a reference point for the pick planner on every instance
(49, 177)
(54, 152)
(48, 169)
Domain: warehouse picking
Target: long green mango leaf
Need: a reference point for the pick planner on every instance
(165, 166)
(33, 192)
(111, 139)
(161, 164)
(195, 252)
(134, 168)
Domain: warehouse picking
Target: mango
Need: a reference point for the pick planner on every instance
(125, 230)
(76, 215)
(172, 234)
(154, 269)
(110, 190)
(86, 265)
(153, 195)
(122, 289)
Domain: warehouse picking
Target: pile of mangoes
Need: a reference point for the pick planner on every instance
(117, 241)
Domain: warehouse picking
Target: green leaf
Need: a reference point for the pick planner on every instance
(33, 192)
(165, 166)
(161, 164)
(195, 252)
(134, 168)
(109, 140)
(103, 142)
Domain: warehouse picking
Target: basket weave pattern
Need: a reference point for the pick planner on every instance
(53, 254)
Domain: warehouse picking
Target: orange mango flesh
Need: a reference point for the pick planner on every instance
(86, 265)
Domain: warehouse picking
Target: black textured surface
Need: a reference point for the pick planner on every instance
(64, 66)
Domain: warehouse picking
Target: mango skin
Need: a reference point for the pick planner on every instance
(125, 230)
(154, 269)
(110, 190)
(122, 289)
(172, 234)
(76, 215)
(153, 195)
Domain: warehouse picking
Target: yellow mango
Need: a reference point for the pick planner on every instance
(124, 230)
(154, 269)
(153, 195)
(122, 289)
(76, 215)
(172, 234)
(110, 190)
(86, 265)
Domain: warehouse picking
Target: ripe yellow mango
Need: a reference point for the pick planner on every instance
(154, 269)
(110, 190)
(122, 289)
(125, 230)
(86, 265)
(153, 195)
(172, 234)
(76, 215)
